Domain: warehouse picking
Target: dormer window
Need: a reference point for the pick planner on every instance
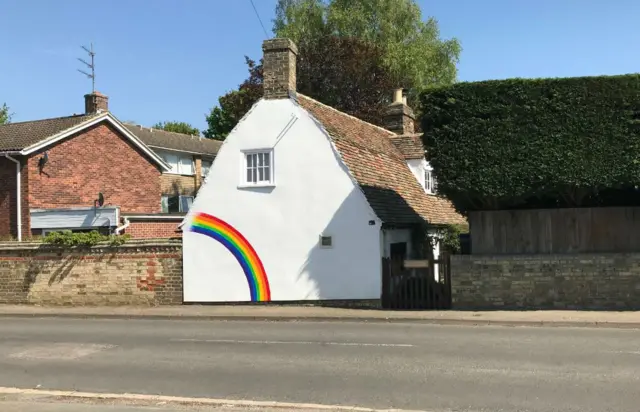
(429, 181)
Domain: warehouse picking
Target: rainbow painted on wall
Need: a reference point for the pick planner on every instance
(238, 245)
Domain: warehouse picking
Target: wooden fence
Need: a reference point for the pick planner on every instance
(540, 231)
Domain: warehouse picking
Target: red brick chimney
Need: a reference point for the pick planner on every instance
(96, 102)
(399, 117)
(279, 68)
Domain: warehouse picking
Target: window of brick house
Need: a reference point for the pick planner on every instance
(206, 166)
(181, 164)
(176, 204)
(258, 168)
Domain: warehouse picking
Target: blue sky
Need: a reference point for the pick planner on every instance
(171, 59)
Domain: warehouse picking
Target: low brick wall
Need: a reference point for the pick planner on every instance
(154, 230)
(577, 281)
(136, 273)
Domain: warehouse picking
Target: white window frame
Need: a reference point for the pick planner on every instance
(180, 197)
(244, 182)
(180, 158)
(429, 180)
(202, 167)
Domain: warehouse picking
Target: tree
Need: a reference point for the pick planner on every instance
(5, 115)
(413, 51)
(177, 127)
(235, 104)
(354, 81)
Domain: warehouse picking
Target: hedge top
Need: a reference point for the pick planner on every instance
(517, 143)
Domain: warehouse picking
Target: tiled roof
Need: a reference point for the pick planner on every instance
(157, 138)
(380, 169)
(17, 136)
(410, 145)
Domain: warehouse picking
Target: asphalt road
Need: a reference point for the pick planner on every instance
(407, 366)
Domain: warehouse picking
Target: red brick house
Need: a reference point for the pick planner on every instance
(91, 171)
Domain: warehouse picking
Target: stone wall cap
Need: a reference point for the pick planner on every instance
(280, 43)
(136, 243)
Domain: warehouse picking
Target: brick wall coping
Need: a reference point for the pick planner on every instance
(154, 217)
(130, 244)
(544, 256)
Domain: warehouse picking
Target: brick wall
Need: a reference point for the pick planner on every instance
(137, 273)
(171, 184)
(576, 281)
(177, 185)
(154, 229)
(96, 160)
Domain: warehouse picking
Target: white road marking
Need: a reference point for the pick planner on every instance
(155, 399)
(60, 351)
(295, 342)
(626, 352)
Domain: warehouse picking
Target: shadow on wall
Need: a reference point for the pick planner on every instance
(351, 269)
(7, 196)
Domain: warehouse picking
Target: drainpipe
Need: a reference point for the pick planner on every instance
(18, 197)
(123, 227)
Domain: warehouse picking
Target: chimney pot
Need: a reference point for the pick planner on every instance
(95, 103)
(397, 96)
(279, 68)
(399, 117)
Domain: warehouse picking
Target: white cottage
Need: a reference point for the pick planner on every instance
(303, 201)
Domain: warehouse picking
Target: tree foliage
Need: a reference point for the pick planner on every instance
(5, 115)
(235, 104)
(535, 143)
(177, 127)
(352, 53)
(413, 51)
(354, 80)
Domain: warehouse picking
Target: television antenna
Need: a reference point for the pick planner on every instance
(91, 67)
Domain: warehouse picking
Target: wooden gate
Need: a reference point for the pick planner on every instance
(416, 284)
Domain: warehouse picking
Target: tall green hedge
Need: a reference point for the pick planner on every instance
(523, 143)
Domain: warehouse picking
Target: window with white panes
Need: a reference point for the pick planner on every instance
(429, 181)
(258, 168)
(176, 203)
(206, 165)
(181, 164)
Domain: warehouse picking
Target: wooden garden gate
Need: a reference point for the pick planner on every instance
(424, 284)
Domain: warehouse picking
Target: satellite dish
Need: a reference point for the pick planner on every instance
(43, 160)
(100, 199)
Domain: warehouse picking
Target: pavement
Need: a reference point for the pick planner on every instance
(623, 319)
(47, 404)
(382, 365)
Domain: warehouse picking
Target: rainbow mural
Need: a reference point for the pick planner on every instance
(238, 245)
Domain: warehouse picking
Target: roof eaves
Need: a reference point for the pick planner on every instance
(61, 135)
(138, 142)
(182, 151)
(90, 122)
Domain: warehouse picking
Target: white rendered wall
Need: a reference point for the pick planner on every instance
(313, 195)
(417, 167)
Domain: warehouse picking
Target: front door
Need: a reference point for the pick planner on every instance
(398, 251)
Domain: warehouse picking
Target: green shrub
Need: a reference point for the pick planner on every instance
(68, 238)
(535, 143)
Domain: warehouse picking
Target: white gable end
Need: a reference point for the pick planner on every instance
(299, 212)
